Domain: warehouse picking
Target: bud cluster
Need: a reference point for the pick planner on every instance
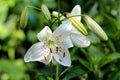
(92, 25)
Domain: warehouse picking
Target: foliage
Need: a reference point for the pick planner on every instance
(100, 61)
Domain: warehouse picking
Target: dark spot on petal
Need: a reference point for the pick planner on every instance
(60, 60)
(45, 58)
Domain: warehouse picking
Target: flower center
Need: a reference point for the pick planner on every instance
(53, 47)
(51, 43)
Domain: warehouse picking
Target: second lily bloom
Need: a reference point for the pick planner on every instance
(77, 38)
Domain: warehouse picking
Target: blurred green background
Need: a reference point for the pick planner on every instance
(100, 61)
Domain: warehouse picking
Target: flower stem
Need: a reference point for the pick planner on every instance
(58, 12)
(51, 69)
(34, 8)
(57, 72)
(57, 65)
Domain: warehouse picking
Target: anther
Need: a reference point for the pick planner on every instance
(50, 50)
(60, 60)
(56, 49)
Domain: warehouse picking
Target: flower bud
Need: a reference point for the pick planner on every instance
(93, 26)
(55, 13)
(46, 12)
(77, 24)
(24, 17)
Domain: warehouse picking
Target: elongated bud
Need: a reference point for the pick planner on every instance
(77, 24)
(24, 17)
(46, 12)
(93, 26)
(55, 13)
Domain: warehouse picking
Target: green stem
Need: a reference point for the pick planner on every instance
(73, 16)
(51, 69)
(58, 12)
(64, 71)
(57, 65)
(57, 72)
(34, 8)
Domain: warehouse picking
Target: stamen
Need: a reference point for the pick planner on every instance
(57, 49)
(50, 50)
(64, 54)
(60, 60)
(45, 58)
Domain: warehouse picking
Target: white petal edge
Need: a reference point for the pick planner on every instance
(63, 57)
(38, 52)
(44, 34)
(78, 39)
(77, 11)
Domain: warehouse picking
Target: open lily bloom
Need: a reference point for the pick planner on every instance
(77, 38)
(54, 44)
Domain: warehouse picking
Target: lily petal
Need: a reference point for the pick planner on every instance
(62, 29)
(63, 57)
(65, 41)
(44, 34)
(38, 52)
(62, 35)
(79, 39)
(77, 11)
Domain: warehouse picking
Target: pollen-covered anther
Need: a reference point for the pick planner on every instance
(64, 54)
(45, 58)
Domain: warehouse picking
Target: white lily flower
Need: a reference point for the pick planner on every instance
(54, 44)
(77, 38)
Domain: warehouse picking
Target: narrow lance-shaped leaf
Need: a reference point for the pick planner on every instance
(24, 17)
(109, 58)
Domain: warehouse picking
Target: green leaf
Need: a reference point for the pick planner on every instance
(49, 78)
(95, 54)
(12, 67)
(64, 71)
(109, 58)
(93, 9)
(115, 75)
(84, 63)
(93, 38)
(50, 3)
(73, 72)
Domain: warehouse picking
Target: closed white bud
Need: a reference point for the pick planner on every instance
(77, 24)
(45, 11)
(93, 26)
(24, 17)
(55, 13)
